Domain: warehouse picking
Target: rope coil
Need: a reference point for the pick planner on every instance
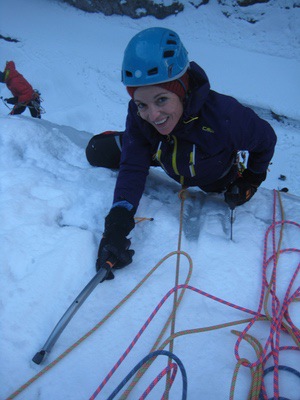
(279, 321)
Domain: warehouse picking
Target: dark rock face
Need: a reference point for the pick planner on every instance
(241, 9)
(132, 8)
(9, 39)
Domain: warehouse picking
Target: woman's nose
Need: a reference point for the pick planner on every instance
(153, 112)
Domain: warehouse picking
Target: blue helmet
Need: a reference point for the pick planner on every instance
(155, 55)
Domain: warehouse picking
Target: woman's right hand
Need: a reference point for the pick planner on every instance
(118, 223)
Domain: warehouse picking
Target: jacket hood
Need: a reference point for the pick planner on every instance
(10, 65)
(199, 90)
(10, 70)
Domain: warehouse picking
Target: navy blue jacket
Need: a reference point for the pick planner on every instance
(201, 148)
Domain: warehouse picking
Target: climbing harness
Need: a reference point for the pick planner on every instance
(34, 103)
(241, 158)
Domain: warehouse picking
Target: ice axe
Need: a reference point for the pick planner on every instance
(100, 276)
(231, 198)
(5, 103)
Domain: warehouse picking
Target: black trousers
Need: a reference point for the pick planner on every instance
(34, 107)
(104, 150)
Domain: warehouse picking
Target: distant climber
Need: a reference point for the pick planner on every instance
(23, 93)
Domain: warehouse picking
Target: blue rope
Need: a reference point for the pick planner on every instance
(282, 368)
(143, 361)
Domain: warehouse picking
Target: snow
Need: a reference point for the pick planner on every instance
(53, 204)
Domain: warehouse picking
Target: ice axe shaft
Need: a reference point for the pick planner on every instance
(231, 200)
(74, 307)
(4, 102)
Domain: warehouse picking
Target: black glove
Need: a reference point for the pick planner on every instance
(118, 223)
(243, 188)
(12, 100)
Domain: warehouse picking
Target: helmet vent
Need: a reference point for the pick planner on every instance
(169, 41)
(168, 53)
(152, 71)
(128, 74)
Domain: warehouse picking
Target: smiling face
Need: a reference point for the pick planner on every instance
(160, 107)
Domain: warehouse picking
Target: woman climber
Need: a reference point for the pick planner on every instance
(177, 121)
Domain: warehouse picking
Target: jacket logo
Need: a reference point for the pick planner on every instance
(207, 129)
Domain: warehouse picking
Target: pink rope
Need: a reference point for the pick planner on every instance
(170, 367)
(277, 312)
(150, 318)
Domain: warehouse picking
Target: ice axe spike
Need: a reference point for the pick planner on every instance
(74, 307)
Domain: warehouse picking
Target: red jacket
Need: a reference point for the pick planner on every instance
(17, 84)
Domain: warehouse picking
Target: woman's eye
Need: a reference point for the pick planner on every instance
(140, 106)
(162, 100)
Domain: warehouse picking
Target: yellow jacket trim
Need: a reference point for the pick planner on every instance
(174, 164)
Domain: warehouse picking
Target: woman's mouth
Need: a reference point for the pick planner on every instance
(161, 122)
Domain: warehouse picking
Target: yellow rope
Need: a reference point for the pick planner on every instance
(256, 375)
(176, 301)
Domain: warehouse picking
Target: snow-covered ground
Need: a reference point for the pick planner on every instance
(53, 204)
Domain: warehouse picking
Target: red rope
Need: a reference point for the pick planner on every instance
(150, 318)
(278, 311)
(170, 367)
